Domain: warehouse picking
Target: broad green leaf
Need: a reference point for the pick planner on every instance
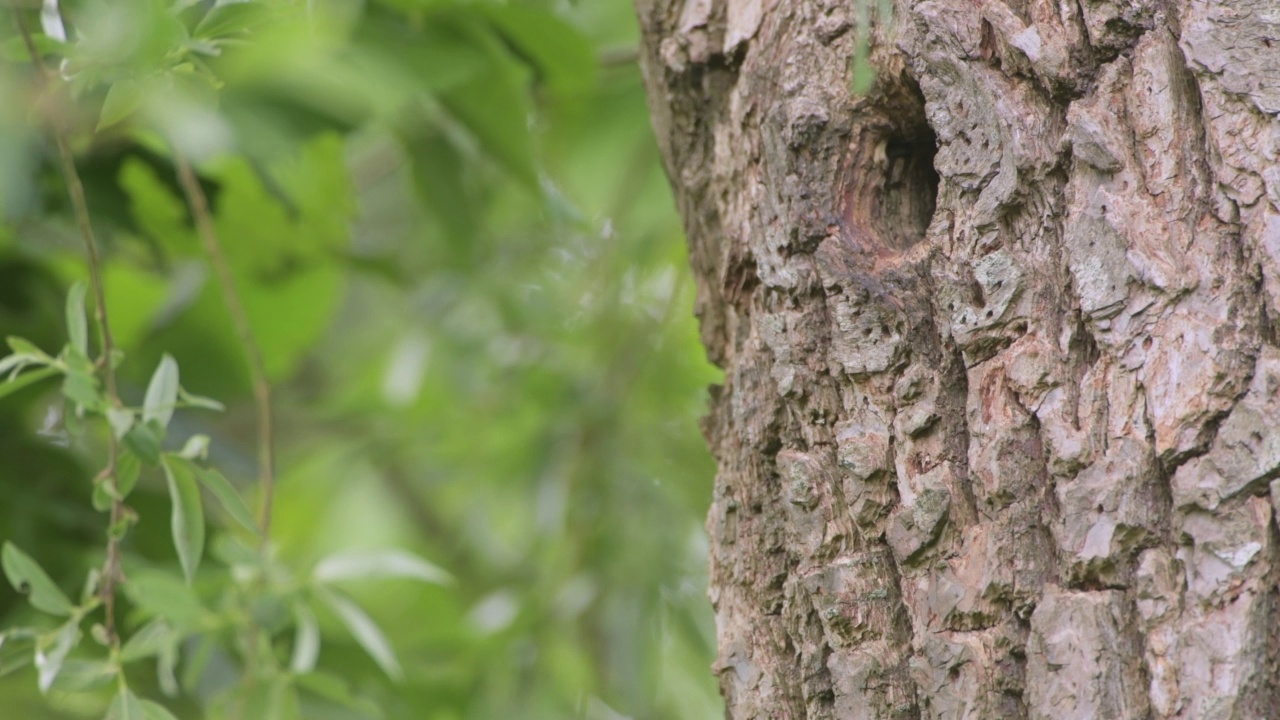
(77, 327)
(156, 711)
(148, 641)
(163, 595)
(306, 640)
(162, 392)
(376, 564)
(126, 706)
(564, 56)
(26, 380)
(52, 653)
(364, 630)
(187, 521)
(27, 577)
(81, 388)
(124, 97)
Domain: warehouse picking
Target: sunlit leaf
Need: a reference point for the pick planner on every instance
(121, 420)
(27, 577)
(365, 631)
(228, 497)
(187, 520)
(83, 675)
(124, 97)
(375, 564)
(199, 401)
(162, 392)
(148, 641)
(17, 649)
(50, 657)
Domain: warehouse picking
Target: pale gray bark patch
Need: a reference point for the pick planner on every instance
(999, 434)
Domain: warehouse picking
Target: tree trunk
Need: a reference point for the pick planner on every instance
(1001, 410)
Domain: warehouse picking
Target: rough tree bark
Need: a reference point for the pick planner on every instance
(1000, 425)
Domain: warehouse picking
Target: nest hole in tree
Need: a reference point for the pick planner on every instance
(892, 185)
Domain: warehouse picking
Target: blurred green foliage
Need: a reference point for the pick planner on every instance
(457, 248)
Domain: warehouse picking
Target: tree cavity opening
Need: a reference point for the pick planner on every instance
(893, 186)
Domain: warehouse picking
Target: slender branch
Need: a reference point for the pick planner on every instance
(199, 205)
(111, 573)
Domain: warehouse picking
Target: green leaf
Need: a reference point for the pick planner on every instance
(365, 631)
(27, 577)
(124, 97)
(126, 706)
(232, 18)
(563, 55)
(306, 640)
(156, 711)
(51, 653)
(187, 521)
(149, 640)
(77, 327)
(83, 675)
(227, 496)
(17, 646)
(82, 389)
(25, 380)
(199, 401)
(22, 346)
(195, 448)
(121, 420)
(144, 441)
(163, 595)
(377, 564)
(128, 469)
(162, 392)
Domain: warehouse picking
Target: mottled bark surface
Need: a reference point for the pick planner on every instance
(1000, 428)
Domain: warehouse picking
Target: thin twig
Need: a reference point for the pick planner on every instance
(111, 574)
(199, 205)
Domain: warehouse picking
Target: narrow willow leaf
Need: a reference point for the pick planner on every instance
(27, 577)
(49, 659)
(14, 363)
(156, 711)
(162, 392)
(83, 675)
(23, 346)
(126, 706)
(128, 468)
(81, 388)
(149, 640)
(227, 496)
(187, 521)
(375, 564)
(26, 380)
(199, 401)
(166, 670)
(365, 631)
(77, 327)
(306, 640)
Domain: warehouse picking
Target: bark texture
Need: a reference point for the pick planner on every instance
(1000, 427)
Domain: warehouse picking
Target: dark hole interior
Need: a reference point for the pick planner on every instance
(909, 188)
